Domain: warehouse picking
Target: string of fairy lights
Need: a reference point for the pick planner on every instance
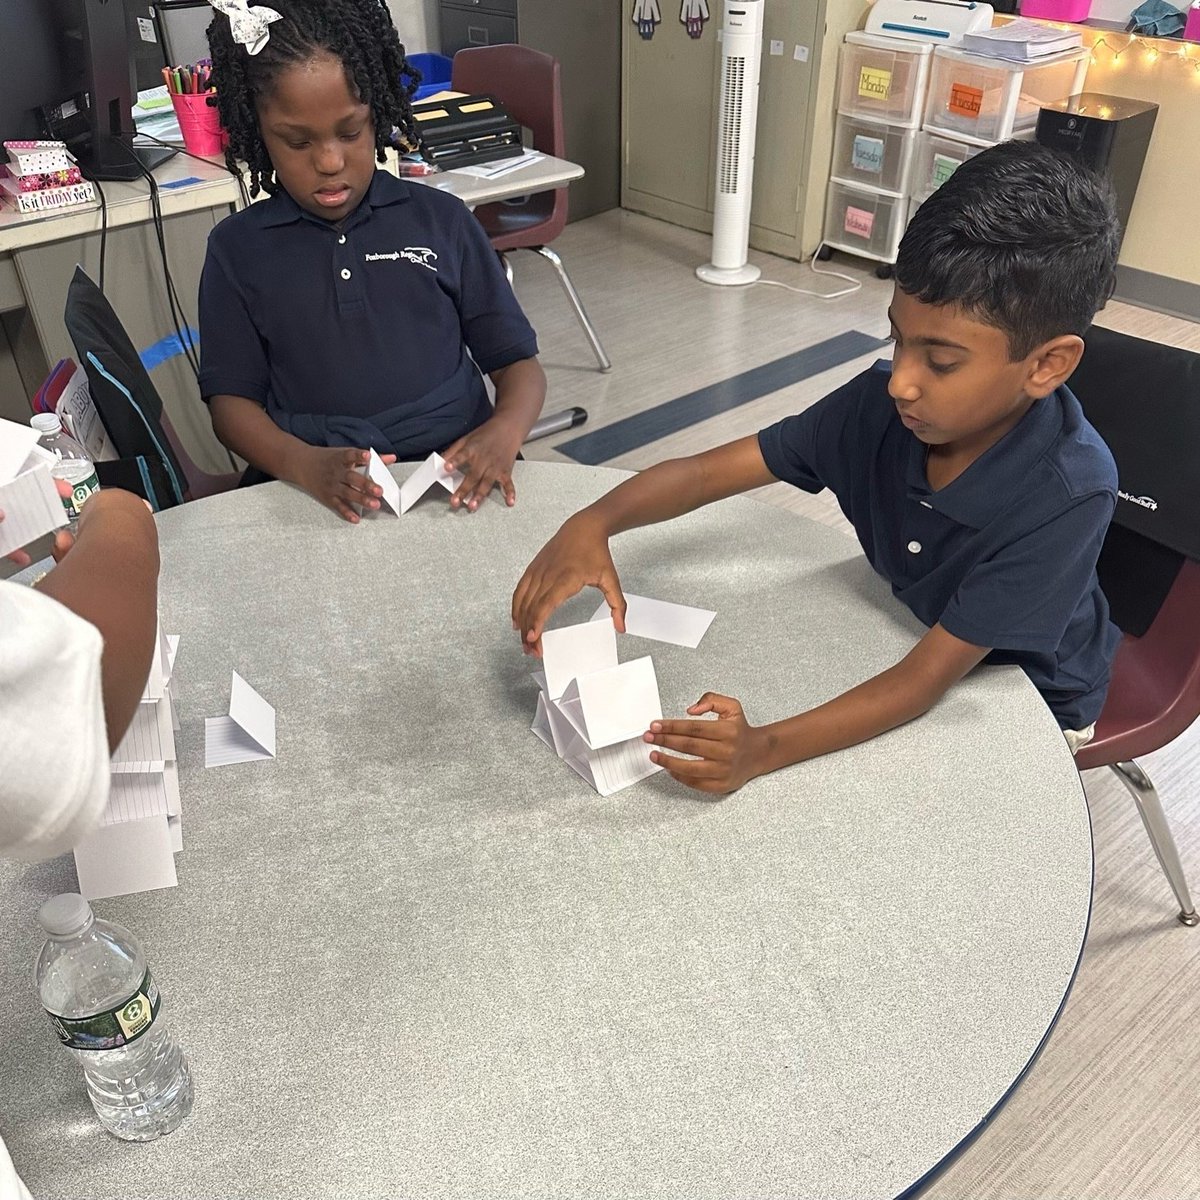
(1116, 49)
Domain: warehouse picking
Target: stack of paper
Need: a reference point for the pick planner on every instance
(1021, 41)
(133, 848)
(28, 498)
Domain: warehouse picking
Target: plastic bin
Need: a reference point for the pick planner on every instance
(883, 78)
(435, 73)
(937, 156)
(990, 98)
(871, 153)
(864, 221)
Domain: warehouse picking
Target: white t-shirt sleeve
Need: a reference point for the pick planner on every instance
(54, 760)
(11, 1187)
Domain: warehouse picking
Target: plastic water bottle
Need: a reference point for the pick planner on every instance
(94, 984)
(72, 465)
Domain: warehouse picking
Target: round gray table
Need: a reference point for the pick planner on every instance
(417, 956)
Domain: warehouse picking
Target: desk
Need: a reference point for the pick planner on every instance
(540, 176)
(417, 956)
(38, 255)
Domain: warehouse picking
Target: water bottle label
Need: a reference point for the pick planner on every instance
(117, 1027)
(81, 492)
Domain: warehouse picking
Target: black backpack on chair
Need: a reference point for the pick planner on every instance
(128, 404)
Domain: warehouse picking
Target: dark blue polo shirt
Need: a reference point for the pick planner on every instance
(1003, 557)
(304, 317)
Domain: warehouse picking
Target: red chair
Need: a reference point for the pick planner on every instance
(1145, 401)
(526, 82)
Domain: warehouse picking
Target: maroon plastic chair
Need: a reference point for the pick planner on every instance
(1154, 696)
(1144, 398)
(526, 82)
(199, 482)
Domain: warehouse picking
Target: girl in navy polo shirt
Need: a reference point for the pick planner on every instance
(351, 310)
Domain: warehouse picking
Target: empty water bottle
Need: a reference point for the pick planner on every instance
(72, 464)
(94, 984)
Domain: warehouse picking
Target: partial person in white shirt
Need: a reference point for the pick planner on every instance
(74, 656)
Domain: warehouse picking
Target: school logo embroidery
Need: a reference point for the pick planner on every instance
(1142, 501)
(421, 255)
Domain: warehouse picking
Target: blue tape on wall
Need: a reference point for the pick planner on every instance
(167, 348)
(664, 419)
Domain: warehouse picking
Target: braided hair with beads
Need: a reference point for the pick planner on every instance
(359, 33)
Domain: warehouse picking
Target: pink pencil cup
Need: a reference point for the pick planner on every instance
(199, 122)
(1192, 30)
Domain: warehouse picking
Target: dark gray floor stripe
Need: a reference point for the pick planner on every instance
(665, 419)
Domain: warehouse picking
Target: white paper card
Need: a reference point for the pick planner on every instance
(160, 668)
(553, 728)
(16, 444)
(150, 737)
(134, 797)
(615, 767)
(246, 735)
(613, 706)
(376, 471)
(117, 860)
(31, 506)
(679, 624)
(576, 650)
(431, 471)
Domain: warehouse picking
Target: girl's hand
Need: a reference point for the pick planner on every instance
(333, 477)
(485, 457)
(728, 752)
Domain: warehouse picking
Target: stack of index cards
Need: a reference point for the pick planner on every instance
(133, 848)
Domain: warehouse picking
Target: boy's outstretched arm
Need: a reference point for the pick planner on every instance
(729, 751)
(330, 475)
(578, 555)
(486, 455)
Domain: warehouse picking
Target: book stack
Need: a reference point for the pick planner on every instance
(41, 177)
(134, 846)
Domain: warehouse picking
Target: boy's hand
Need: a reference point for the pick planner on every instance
(728, 751)
(577, 556)
(332, 476)
(485, 456)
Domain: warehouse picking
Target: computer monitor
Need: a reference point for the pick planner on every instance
(66, 73)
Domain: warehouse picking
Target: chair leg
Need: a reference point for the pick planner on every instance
(508, 271)
(577, 304)
(1150, 809)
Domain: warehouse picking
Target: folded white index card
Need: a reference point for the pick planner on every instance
(679, 624)
(120, 859)
(28, 497)
(431, 471)
(247, 734)
(576, 650)
(376, 471)
(614, 705)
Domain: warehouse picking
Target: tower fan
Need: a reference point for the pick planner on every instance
(741, 57)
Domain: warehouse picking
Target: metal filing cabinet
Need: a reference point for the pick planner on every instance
(585, 37)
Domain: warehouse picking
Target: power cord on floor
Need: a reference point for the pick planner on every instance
(856, 284)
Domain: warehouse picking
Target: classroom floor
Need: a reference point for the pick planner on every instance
(1107, 1112)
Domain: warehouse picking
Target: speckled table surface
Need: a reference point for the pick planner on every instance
(416, 956)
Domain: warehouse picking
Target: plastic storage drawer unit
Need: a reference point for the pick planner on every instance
(883, 78)
(990, 98)
(864, 221)
(870, 153)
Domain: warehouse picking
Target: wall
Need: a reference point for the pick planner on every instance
(417, 21)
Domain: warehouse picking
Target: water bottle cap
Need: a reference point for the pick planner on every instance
(46, 422)
(65, 915)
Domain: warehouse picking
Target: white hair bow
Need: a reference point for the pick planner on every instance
(248, 22)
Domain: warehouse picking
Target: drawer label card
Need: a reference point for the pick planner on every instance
(874, 83)
(943, 167)
(965, 101)
(859, 222)
(867, 154)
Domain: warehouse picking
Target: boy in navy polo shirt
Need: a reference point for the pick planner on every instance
(972, 479)
(337, 316)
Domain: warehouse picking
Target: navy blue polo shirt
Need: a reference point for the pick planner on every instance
(1003, 557)
(322, 323)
